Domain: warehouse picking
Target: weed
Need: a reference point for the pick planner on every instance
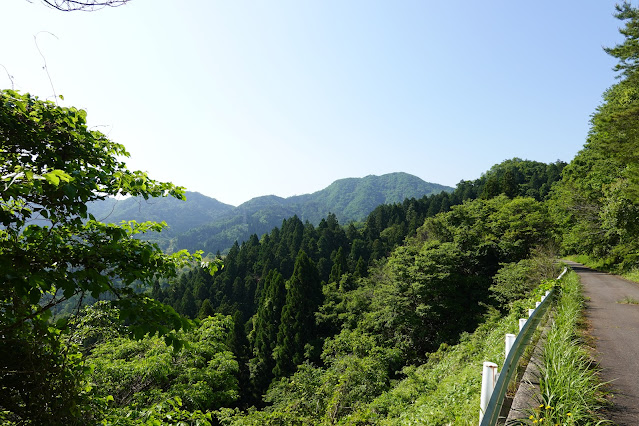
(632, 275)
(628, 301)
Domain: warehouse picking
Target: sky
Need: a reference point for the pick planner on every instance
(237, 99)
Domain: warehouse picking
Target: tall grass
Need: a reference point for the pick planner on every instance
(570, 390)
(632, 275)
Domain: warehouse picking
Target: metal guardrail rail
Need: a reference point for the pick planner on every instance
(491, 414)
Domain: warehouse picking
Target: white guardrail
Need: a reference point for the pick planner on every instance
(494, 384)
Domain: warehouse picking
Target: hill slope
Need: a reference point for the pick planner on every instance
(179, 215)
(350, 199)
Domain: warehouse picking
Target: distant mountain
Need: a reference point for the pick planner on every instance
(350, 199)
(179, 215)
(203, 223)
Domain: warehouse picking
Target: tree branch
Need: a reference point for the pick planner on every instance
(87, 6)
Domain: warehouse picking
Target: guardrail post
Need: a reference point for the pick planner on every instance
(510, 340)
(530, 312)
(537, 304)
(522, 322)
(488, 380)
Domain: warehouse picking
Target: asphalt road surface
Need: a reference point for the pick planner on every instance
(615, 328)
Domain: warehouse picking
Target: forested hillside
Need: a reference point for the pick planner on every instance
(180, 215)
(311, 323)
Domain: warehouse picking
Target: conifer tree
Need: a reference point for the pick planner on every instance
(297, 327)
(265, 327)
(206, 310)
(340, 265)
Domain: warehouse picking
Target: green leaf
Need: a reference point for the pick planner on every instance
(70, 191)
(34, 296)
(62, 323)
(52, 178)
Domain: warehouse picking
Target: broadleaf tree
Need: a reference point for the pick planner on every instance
(51, 165)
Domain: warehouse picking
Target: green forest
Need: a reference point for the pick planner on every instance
(336, 323)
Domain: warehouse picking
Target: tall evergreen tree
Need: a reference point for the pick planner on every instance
(298, 328)
(265, 327)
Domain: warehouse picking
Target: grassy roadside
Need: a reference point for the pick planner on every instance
(571, 392)
(601, 265)
(446, 390)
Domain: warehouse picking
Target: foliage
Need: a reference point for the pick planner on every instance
(595, 205)
(446, 388)
(512, 280)
(516, 279)
(265, 326)
(169, 412)
(357, 369)
(51, 249)
(147, 371)
(432, 289)
(42, 382)
(356, 385)
(422, 298)
(295, 335)
(516, 177)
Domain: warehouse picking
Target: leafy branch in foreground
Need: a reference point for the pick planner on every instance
(51, 249)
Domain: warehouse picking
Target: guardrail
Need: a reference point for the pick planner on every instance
(494, 384)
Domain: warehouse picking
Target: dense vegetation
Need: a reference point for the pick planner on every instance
(362, 285)
(51, 165)
(596, 206)
(307, 324)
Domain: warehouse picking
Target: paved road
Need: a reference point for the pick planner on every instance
(615, 327)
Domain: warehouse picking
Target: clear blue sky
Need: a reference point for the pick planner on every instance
(236, 99)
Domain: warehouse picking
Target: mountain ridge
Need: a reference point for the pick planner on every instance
(204, 223)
